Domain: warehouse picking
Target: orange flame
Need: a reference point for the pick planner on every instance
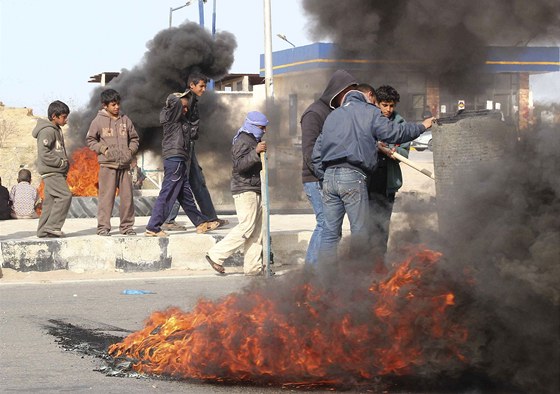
(83, 175)
(253, 337)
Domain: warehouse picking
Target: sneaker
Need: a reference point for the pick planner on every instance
(160, 234)
(172, 227)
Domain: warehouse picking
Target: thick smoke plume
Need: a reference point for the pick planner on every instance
(172, 55)
(446, 39)
(506, 232)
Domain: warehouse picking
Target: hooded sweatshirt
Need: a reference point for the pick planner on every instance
(114, 140)
(51, 153)
(177, 130)
(350, 135)
(314, 116)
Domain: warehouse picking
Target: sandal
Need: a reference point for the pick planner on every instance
(217, 267)
(129, 232)
(104, 233)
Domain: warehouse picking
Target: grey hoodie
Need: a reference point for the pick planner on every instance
(51, 153)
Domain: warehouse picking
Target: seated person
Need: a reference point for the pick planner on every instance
(4, 202)
(24, 197)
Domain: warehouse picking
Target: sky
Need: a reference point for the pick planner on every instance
(49, 49)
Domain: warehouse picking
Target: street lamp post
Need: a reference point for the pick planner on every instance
(171, 9)
(283, 37)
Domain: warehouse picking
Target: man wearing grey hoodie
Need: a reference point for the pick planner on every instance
(311, 125)
(52, 164)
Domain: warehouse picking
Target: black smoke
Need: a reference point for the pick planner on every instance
(445, 39)
(505, 233)
(171, 56)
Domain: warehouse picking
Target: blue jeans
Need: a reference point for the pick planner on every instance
(200, 191)
(344, 192)
(175, 187)
(315, 197)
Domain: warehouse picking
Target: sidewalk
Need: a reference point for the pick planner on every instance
(82, 254)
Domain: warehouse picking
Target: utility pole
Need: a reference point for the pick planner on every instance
(268, 80)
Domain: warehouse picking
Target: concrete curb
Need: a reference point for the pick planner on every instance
(84, 251)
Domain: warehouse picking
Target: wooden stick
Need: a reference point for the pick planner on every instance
(265, 215)
(413, 165)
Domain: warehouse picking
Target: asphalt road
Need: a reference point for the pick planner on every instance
(32, 360)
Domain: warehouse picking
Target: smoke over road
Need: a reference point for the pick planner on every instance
(446, 39)
(506, 220)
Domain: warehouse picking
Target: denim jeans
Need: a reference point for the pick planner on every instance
(175, 187)
(199, 190)
(315, 197)
(344, 192)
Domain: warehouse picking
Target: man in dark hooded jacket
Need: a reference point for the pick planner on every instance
(311, 125)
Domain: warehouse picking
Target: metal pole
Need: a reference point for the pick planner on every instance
(171, 9)
(269, 83)
(265, 215)
(211, 82)
(201, 12)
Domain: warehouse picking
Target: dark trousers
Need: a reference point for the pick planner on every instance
(200, 192)
(111, 179)
(175, 187)
(56, 204)
(380, 210)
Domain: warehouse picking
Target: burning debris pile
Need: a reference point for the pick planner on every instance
(303, 333)
(481, 314)
(83, 175)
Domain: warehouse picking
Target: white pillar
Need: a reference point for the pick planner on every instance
(268, 80)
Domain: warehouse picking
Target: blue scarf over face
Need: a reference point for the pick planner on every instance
(252, 121)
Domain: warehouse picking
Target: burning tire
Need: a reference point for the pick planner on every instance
(86, 207)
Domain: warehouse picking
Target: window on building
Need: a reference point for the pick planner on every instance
(418, 105)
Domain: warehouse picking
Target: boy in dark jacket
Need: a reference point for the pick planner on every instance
(387, 177)
(52, 164)
(177, 134)
(197, 85)
(246, 190)
(312, 121)
(115, 140)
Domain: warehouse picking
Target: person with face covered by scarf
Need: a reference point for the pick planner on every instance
(246, 189)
